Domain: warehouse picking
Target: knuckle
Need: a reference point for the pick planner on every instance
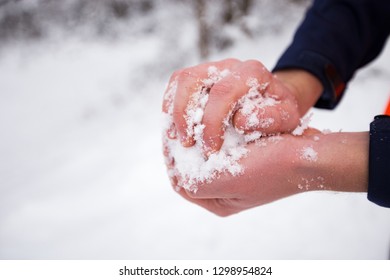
(191, 74)
(231, 61)
(176, 73)
(254, 63)
(186, 73)
(221, 89)
(183, 75)
(256, 66)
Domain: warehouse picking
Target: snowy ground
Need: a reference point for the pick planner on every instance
(82, 176)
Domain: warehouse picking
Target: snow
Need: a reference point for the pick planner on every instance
(307, 184)
(309, 154)
(82, 174)
(303, 125)
(254, 102)
(192, 167)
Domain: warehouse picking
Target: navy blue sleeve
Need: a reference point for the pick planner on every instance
(336, 38)
(379, 162)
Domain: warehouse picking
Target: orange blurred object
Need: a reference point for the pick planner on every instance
(387, 112)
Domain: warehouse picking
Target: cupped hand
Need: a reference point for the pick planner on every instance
(280, 166)
(275, 167)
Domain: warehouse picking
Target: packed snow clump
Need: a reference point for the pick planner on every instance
(190, 165)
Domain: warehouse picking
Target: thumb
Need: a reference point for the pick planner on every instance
(277, 117)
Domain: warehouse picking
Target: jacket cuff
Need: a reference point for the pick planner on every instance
(379, 162)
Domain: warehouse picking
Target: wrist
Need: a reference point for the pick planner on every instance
(343, 161)
(305, 87)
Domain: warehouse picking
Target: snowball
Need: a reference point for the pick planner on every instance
(255, 101)
(191, 166)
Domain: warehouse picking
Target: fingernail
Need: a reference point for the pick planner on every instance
(186, 141)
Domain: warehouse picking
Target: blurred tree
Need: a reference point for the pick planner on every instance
(218, 22)
(120, 8)
(26, 19)
(204, 31)
(123, 8)
(19, 23)
(232, 12)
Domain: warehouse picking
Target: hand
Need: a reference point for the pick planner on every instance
(282, 166)
(223, 97)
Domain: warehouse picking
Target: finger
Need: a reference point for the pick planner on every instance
(189, 82)
(169, 94)
(216, 187)
(172, 174)
(311, 131)
(220, 207)
(167, 106)
(276, 118)
(224, 96)
(275, 111)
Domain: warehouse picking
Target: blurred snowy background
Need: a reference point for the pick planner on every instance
(81, 170)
